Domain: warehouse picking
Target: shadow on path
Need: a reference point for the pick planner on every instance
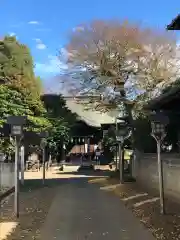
(63, 178)
(36, 199)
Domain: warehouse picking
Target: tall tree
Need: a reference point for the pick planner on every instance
(20, 89)
(14, 103)
(17, 67)
(123, 55)
(62, 120)
(126, 58)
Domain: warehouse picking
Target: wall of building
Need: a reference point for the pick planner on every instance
(147, 172)
(6, 176)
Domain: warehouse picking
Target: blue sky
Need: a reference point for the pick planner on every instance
(44, 25)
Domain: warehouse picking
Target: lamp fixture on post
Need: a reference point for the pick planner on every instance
(16, 123)
(123, 132)
(158, 124)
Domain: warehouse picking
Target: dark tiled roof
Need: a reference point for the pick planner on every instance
(175, 24)
(164, 98)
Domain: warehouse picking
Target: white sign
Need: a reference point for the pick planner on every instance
(119, 138)
(98, 153)
(16, 130)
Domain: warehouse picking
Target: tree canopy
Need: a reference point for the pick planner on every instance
(17, 67)
(129, 63)
(21, 91)
(124, 56)
(62, 121)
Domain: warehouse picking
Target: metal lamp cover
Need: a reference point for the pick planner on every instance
(159, 117)
(16, 120)
(158, 131)
(157, 128)
(44, 134)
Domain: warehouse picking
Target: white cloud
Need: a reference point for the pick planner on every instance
(41, 46)
(51, 67)
(33, 22)
(12, 34)
(78, 29)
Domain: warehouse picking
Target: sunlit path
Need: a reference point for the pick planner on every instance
(81, 210)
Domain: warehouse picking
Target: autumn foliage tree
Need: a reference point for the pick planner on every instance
(128, 58)
(123, 56)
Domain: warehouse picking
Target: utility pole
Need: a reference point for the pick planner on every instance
(123, 132)
(43, 144)
(121, 170)
(44, 164)
(161, 178)
(16, 194)
(117, 146)
(22, 165)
